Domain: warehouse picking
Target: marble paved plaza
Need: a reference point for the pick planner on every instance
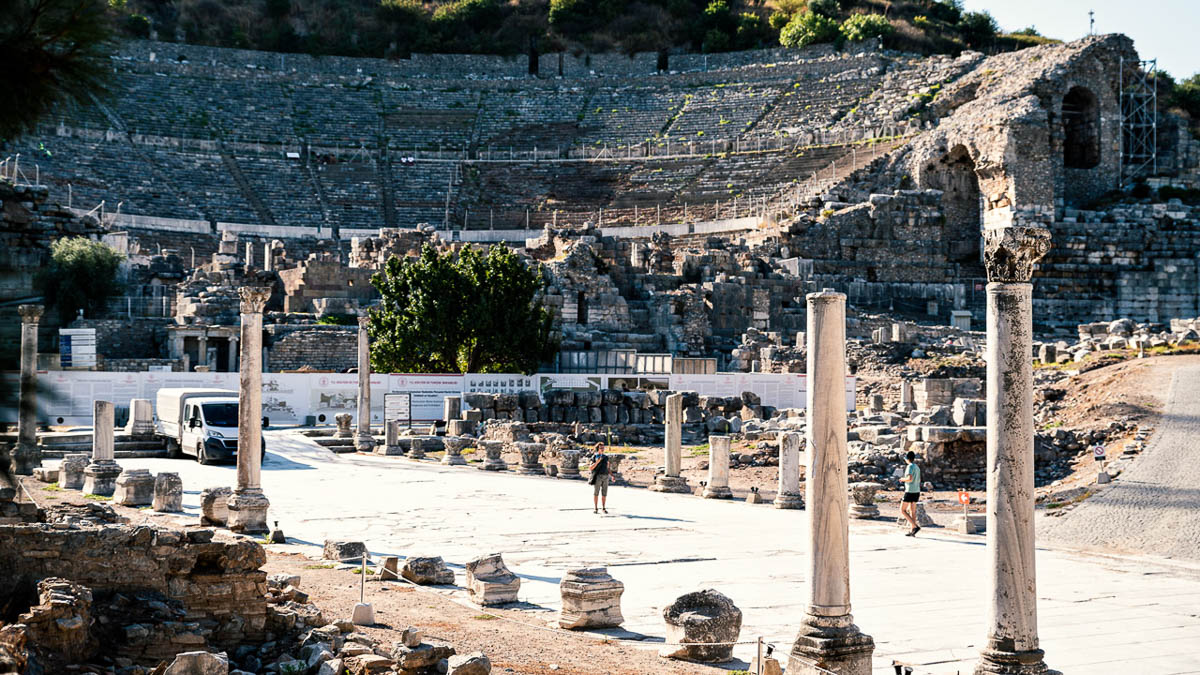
(924, 600)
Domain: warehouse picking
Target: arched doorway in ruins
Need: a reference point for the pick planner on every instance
(1081, 129)
(954, 174)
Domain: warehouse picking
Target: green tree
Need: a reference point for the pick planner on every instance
(472, 313)
(53, 51)
(82, 274)
(807, 28)
(977, 28)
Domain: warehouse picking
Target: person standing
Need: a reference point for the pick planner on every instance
(912, 492)
(599, 479)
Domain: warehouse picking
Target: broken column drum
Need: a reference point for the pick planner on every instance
(416, 448)
(100, 476)
(490, 581)
(718, 468)
(701, 626)
(141, 418)
(569, 465)
(26, 456)
(789, 496)
(391, 440)
(531, 454)
(670, 480)
(343, 425)
(70, 471)
(454, 446)
(248, 505)
(363, 440)
(168, 493)
(864, 506)
(451, 408)
(1012, 643)
(591, 598)
(827, 634)
(492, 460)
(135, 487)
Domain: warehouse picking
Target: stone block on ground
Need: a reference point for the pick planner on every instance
(198, 663)
(168, 493)
(923, 518)
(214, 506)
(427, 571)
(349, 551)
(490, 581)
(469, 664)
(135, 487)
(45, 474)
(971, 523)
(421, 658)
(701, 619)
(591, 598)
(70, 471)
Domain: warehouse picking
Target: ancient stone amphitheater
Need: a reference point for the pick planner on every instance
(754, 176)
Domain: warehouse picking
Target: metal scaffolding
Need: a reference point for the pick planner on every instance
(1139, 119)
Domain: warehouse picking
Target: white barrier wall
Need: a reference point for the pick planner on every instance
(66, 396)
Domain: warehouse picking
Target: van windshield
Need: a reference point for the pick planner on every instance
(221, 414)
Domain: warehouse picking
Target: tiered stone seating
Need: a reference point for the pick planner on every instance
(627, 114)
(419, 191)
(429, 119)
(337, 116)
(722, 111)
(352, 193)
(284, 188)
(544, 119)
(813, 104)
(204, 180)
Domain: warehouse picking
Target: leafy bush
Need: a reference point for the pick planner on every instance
(81, 274)
(827, 8)
(861, 27)
(977, 28)
(808, 28)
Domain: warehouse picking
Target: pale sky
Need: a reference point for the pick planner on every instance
(1168, 30)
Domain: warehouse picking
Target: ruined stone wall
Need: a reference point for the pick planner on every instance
(128, 338)
(320, 347)
(219, 584)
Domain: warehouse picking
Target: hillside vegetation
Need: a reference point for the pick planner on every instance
(396, 28)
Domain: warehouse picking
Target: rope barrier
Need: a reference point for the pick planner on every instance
(596, 638)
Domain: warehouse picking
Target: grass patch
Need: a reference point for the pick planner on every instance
(1051, 425)
(53, 487)
(324, 566)
(98, 498)
(51, 497)
(485, 617)
(359, 570)
(1074, 500)
(622, 449)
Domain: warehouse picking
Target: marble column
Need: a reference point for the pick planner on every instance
(26, 456)
(100, 475)
(718, 468)
(248, 505)
(1012, 642)
(906, 396)
(202, 350)
(670, 480)
(451, 408)
(827, 633)
(233, 354)
(789, 496)
(363, 440)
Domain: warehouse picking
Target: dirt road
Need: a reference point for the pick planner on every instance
(1154, 507)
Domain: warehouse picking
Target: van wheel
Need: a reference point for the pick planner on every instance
(201, 455)
(173, 449)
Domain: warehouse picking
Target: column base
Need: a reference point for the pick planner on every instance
(789, 500)
(493, 465)
(100, 478)
(390, 450)
(864, 511)
(1001, 662)
(569, 474)
(248, 511)
(718, 492)
(677, 484)
(535, 470)
(454, 460)
(364, 442)
(25, 458)
(832, 643)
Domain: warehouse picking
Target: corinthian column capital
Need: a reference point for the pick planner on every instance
(254, 298)
(1010, 252)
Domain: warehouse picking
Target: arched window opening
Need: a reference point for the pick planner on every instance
(1081, 129)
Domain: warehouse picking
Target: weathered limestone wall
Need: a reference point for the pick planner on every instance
(219, 583)
(321, 347)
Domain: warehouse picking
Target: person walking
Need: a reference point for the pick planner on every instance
(599, 479)
(912, 492)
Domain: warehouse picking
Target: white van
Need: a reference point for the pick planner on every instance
(199, 422)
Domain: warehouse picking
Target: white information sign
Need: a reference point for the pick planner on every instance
(398, 408)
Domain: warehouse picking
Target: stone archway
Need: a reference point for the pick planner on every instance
(1081, 129)
(955, 175)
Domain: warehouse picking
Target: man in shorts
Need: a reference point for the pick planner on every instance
(599, 479)
(912, 492)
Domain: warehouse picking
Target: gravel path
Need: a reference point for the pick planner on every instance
(1154, 506)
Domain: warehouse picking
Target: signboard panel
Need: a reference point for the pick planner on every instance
(398, 408)
(428, 392)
